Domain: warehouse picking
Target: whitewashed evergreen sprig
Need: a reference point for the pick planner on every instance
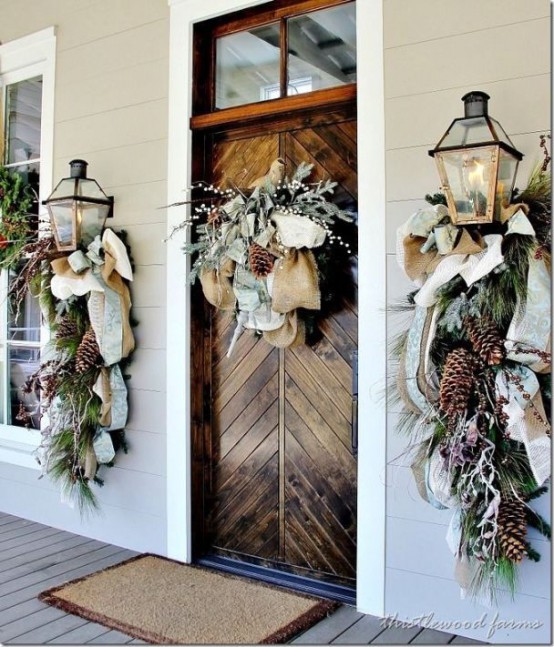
(249, 213)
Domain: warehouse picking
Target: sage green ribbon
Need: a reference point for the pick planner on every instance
(413, 357)
(110, 339)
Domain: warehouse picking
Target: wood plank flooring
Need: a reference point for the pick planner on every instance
(34, 557)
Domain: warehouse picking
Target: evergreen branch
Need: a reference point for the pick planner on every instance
(535, 520)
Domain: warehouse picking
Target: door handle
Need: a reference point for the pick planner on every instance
(354, 429)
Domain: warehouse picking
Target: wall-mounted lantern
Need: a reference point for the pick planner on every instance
(78, 208)
(477, 164)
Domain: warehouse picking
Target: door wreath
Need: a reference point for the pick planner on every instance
(256, 250)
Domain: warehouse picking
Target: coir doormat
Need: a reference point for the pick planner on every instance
(165, 602)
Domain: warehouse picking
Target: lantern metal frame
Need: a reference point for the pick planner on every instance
(476, 106)
(78, 172)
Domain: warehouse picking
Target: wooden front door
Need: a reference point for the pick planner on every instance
(275, 470)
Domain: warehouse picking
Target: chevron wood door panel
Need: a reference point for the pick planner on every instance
(279, 484)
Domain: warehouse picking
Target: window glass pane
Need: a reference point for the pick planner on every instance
(24, 325)
(247, 67)
(23, 113)
(24, 407)
(322, 49)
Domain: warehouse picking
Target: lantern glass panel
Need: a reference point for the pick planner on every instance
(64, 189)
(90, 189)
(62, 217)
(465, 132)
(468, 175)
(507, 170)
(92, 218)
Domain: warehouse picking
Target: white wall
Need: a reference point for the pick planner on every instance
(435, 51)
(111, 109)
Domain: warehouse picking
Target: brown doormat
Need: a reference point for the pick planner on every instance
(165, 602)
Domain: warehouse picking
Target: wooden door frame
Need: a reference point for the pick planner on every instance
(372, 293)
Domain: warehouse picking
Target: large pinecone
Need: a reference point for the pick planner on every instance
(261, 261)
(486, 339)
(67, 327)
(88, 352)
(458, 378)
(512, 529)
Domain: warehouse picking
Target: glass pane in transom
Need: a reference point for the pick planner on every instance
(23, 116)
(247, 67)
(322, 49)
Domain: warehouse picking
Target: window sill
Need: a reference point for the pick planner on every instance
(18, 446)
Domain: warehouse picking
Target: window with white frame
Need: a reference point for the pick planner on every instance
(26, 102)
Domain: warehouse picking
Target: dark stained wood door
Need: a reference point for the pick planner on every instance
(278, 472)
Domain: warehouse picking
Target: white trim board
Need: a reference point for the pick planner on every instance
(372, 292)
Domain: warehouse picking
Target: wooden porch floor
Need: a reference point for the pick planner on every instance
(34, 557)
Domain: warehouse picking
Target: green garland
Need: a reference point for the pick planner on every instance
(465, 418)
(16, 224)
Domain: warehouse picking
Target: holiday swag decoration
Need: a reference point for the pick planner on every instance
(79, 388)
(260, 251)
(474, 376)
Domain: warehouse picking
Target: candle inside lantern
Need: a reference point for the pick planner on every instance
(476, 184)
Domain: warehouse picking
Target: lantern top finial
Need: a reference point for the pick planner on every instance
(476, 104)
(78, 169)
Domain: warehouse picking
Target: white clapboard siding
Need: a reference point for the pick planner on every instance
(147, 411)
(150, 331)
(438, 563)
(448, 607)
(147, 452)
(147, 242)
(148, 162)
(435, 51)
(133, 85)
(450, 17)
(117, 51)
(139, 203)
(472, 57)
(122, 526)
(397, 214)
(521, 104)
(120, 127)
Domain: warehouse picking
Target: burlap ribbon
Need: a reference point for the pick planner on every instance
(418, 266)
(291, 333)
(296, 282)
(218, 287)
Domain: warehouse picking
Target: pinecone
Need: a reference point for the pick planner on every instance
(512, 529)
(88, 352)
(261, 261)
(67, 327)
(458, 378)
(486, 339)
